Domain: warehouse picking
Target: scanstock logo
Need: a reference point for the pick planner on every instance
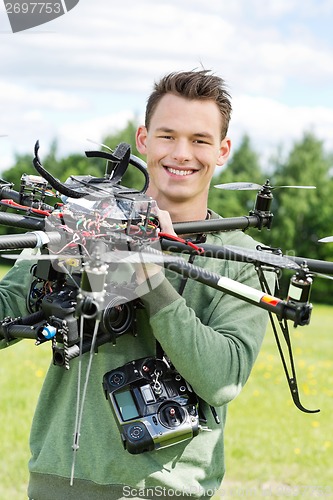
(24, 15)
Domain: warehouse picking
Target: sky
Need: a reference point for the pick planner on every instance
(86, 73)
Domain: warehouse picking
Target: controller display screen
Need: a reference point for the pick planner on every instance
(126, 405)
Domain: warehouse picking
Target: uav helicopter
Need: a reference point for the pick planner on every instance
(123, 222)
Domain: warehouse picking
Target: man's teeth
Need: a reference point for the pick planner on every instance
(180, 172)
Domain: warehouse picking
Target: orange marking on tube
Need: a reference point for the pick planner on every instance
(270, 300)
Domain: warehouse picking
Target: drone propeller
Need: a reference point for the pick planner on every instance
(137, 257)
(62, 257)
(250, 186)
(116, 256)
(146, 257)
(273, 259)
(153, 256)
(100, 144)
(328, 239)
(254, 256)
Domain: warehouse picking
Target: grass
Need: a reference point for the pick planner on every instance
(22, 370)
(272, 449)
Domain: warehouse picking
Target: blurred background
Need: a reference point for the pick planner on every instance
(86, 75)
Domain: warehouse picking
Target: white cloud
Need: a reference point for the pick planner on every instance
(64, 79)
(27, 98)
(270, 123)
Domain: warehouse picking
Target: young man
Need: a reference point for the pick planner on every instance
(211, 338)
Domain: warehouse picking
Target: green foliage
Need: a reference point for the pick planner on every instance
(303, 216)
(243, 166)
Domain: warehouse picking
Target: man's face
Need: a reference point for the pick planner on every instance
(183, 146)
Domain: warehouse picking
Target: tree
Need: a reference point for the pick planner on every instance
(243, 166)
(302, 216)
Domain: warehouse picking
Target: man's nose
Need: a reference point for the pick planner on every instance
(182, 151)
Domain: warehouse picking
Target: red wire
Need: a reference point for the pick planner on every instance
(12, 203)
(168, 236)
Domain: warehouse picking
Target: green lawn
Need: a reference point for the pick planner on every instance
(272, 449)
(22, 369)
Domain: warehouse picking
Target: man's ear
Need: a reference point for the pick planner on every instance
(141, 139)
(224, 151)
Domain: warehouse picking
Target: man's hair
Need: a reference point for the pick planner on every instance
(192, 85)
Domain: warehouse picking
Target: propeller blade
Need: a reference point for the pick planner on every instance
(328, 239)
(12, 256)
(239, 186)
(253, 256)
(127, 257)
(249, 186)
(115, 256)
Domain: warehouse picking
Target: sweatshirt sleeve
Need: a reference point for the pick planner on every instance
(14, 289)
(216, 349)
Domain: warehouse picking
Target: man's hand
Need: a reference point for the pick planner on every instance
(146, 271)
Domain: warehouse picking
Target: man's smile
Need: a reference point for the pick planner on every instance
(179, 172)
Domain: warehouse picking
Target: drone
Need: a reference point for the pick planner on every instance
(97, 224)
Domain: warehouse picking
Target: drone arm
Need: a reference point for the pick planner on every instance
(18, 331)
(28, 240)
(24, 222)
(299, 313)
(27, 327)
(212, 225)
(314, 265)
(208, 250)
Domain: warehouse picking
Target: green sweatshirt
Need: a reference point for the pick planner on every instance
(211, 338)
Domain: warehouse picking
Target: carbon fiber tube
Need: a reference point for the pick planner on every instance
(16, 220)
(299, 313)
(20, 332)
(60, 356)
(215, 251)
(316, 266)
(211, 225)
(26, 240)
